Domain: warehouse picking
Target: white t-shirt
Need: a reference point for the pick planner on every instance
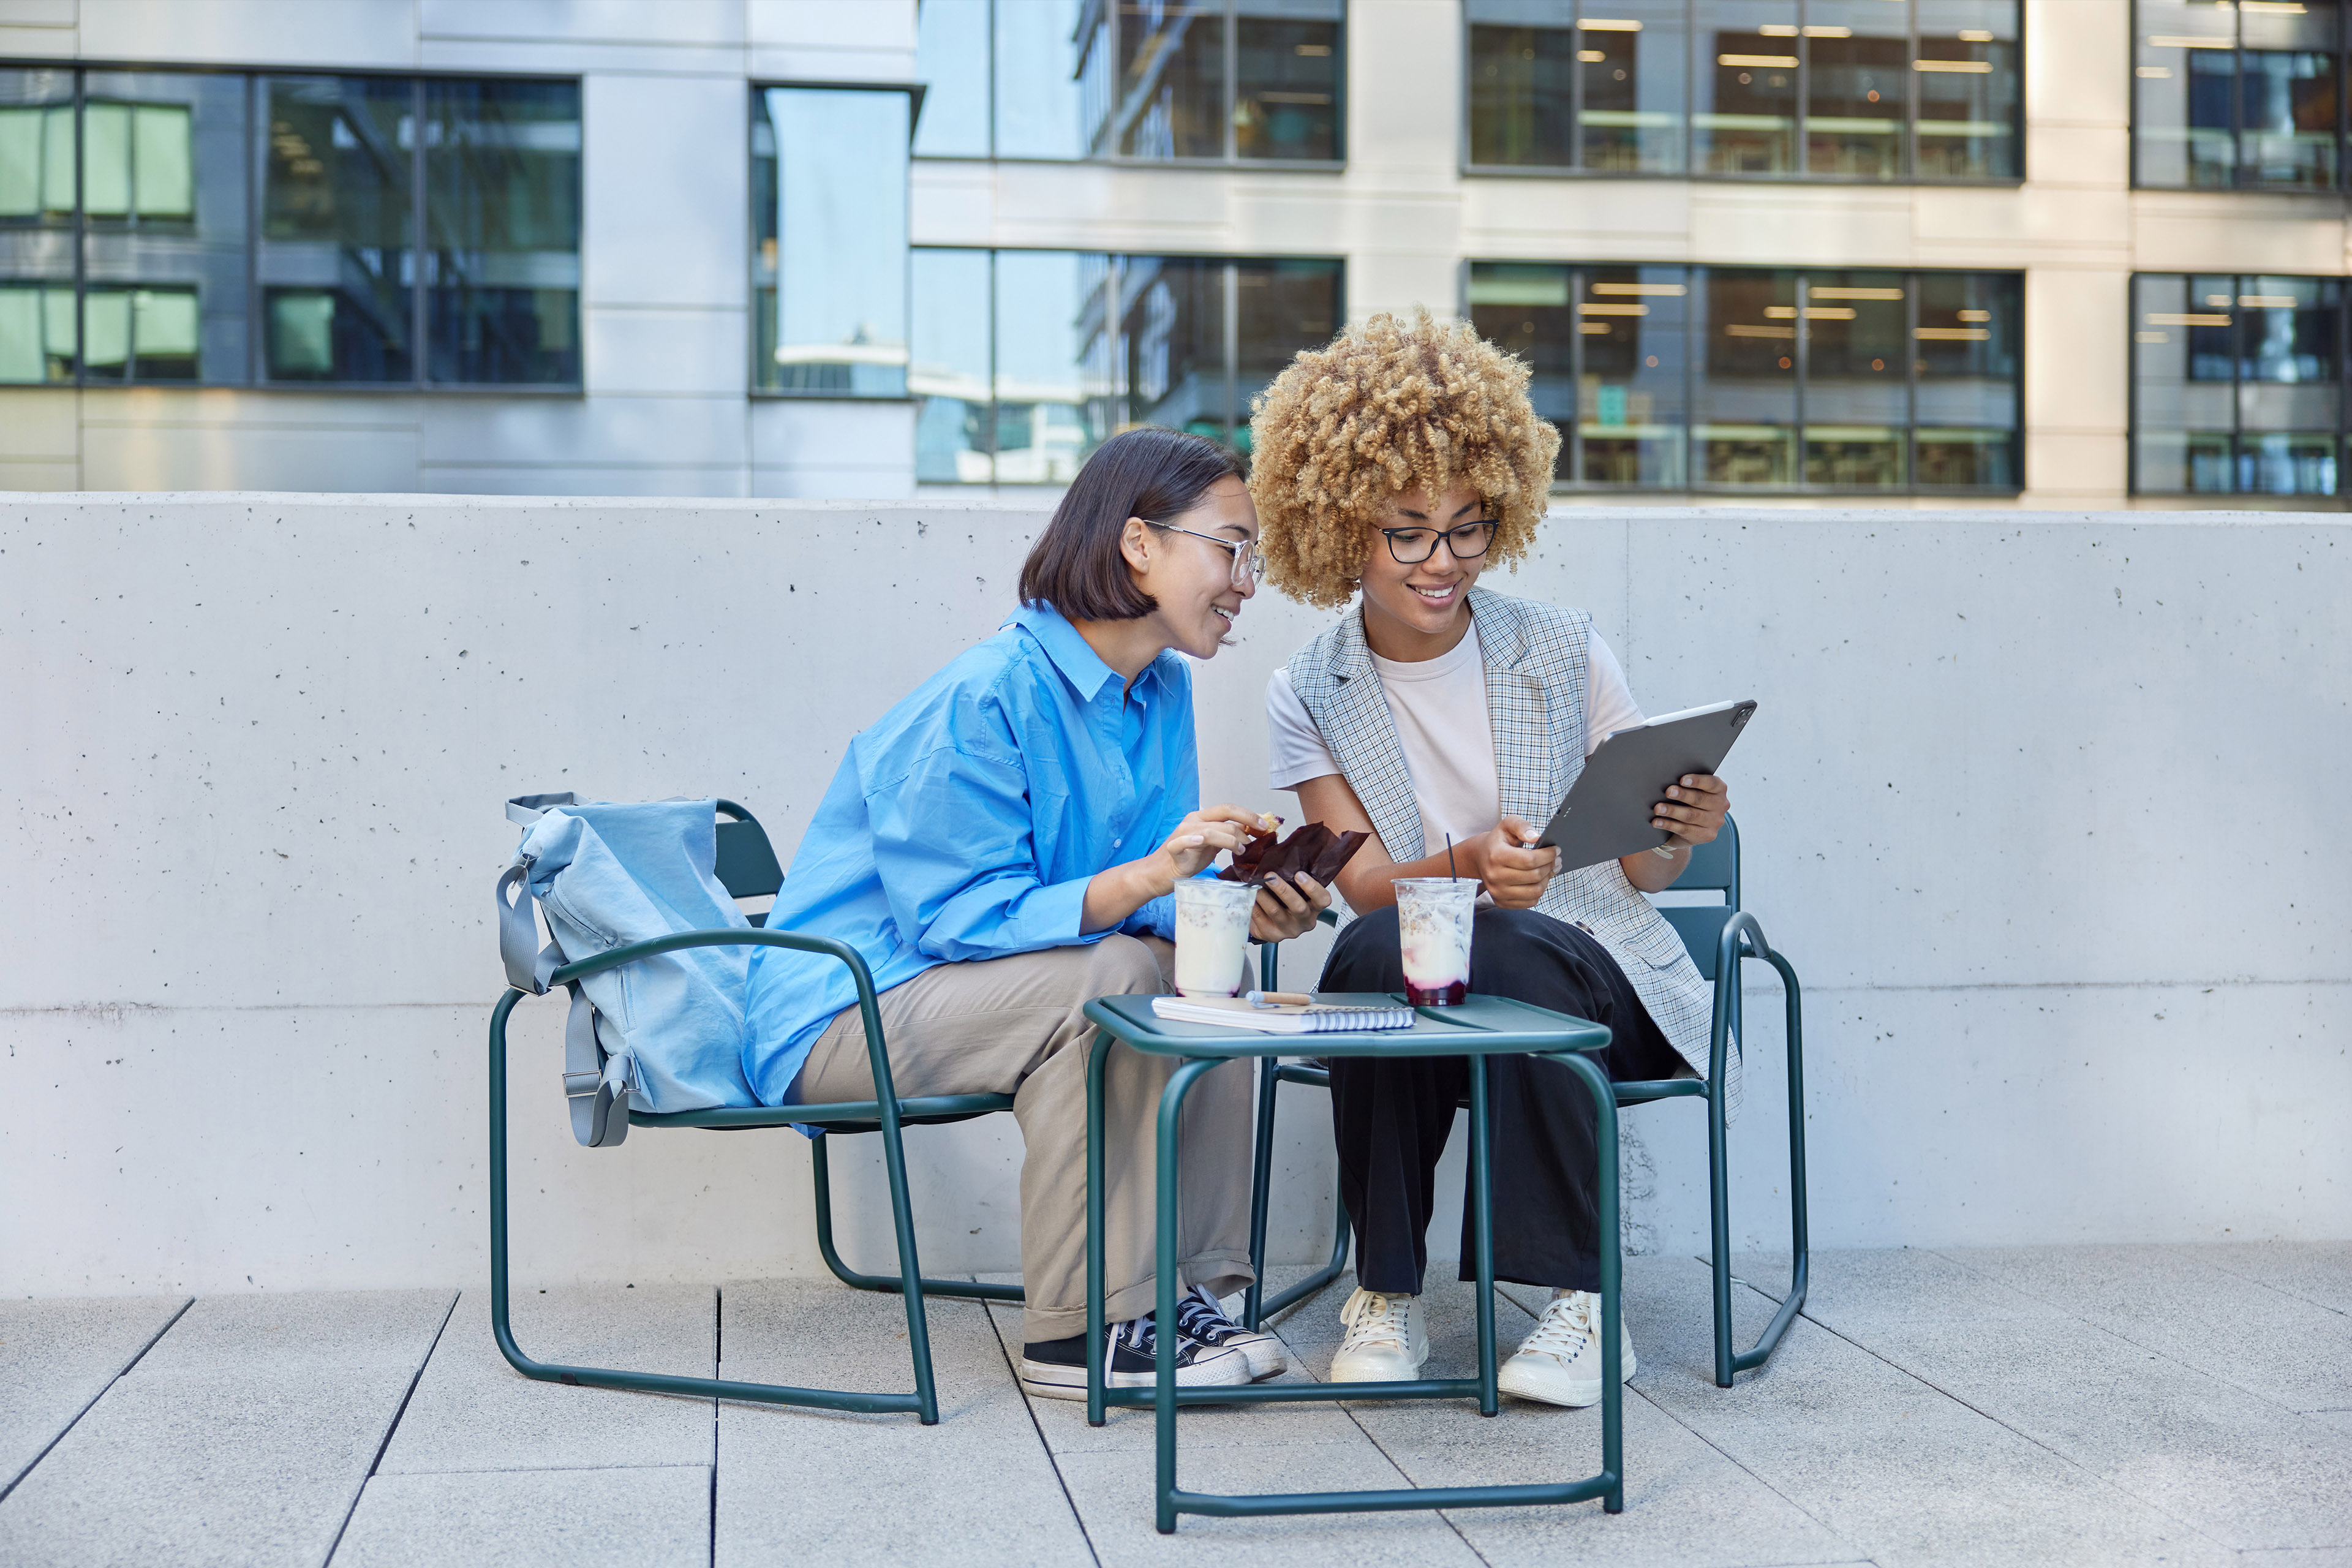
(1439, 709)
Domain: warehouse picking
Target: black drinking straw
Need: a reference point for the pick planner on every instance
(1449, 858)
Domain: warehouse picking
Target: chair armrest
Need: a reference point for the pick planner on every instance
(1742, 938)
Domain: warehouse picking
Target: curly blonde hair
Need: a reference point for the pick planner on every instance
(1390, 407)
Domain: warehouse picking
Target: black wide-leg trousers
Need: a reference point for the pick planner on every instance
(1392, 1116)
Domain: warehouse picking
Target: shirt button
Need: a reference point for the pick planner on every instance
(1117, 842)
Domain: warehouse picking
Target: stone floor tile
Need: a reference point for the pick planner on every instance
(2284, 1348)
(1888, 1463)
(2318, 1272)
(256, 1466)
(823, 1487)
(56, 1356)
(1113, 1494)
(2231, 1464)
(317, 1328)
(2307, 1557)
(472, 1411)
(532, 1518)
(1685, 1502)
(1895, 1284)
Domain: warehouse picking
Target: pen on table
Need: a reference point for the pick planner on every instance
(1281, 999)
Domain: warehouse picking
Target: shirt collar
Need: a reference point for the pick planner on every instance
(1080, 665)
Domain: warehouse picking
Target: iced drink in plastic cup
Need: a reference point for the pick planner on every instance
(1212, 921)
(1434, 916)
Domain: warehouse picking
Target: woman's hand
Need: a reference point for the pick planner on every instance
(1199, 837)
(1515, 873)
(1284, 910)
(1692, 811)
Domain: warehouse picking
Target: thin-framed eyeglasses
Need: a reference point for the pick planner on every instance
(1249, 565)
(1467, 541)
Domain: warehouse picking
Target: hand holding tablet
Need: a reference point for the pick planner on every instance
(1611, 807)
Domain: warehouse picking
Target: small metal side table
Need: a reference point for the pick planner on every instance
(1477, 1028)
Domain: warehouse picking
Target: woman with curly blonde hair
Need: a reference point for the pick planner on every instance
(1445, 719)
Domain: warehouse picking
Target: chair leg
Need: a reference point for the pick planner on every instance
(1256, 1305)
(1728, 1363)
(501, 1323)
(910, 1270)
(821, 1171)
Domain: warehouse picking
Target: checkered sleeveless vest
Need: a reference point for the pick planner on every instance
(1535, 683)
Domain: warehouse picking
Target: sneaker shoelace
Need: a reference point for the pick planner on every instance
(1374, 1319)
(1569, 1323)
(1199, 1317)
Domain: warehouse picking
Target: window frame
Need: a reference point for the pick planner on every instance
(2301, 500)
(253, 163)
(2236, 186)
(1230, 347)
(754, 87)
(1571, 432)
(1800, 176)
(1230, 43)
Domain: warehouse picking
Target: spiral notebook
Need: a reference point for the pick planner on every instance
(1321, 1018)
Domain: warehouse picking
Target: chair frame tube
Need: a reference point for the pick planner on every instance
(884, 1109)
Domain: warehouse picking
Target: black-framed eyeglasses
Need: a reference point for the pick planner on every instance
(1249, 565)
(1412, 546)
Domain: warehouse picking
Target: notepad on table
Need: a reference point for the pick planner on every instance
(1318, 1018)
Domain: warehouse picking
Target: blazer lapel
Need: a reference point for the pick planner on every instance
(1518, 712)
(1361, 733)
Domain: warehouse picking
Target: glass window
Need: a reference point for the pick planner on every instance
(948, 367)
(1047, 406)
(952, 62)
(1038, 109)
(1668, 377)
(830, 263)
(337, 269)
(1286, 89)
(1079, 343)
(1171, 79)
(1522, 85)
(1968, 85)
(39, 332)
(2229, 95)
(1858, 59)
(502, 201)
(2237, 385)
(1848, 89)
(1744, 119)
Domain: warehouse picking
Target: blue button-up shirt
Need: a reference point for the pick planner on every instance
(967, 822)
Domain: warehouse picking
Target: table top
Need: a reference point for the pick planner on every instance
(1479, 1025)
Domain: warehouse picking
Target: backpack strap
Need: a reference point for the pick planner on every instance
(595, 1083)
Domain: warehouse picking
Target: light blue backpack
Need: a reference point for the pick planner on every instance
(665, 1033)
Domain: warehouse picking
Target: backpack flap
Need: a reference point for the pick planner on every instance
(595, 1083)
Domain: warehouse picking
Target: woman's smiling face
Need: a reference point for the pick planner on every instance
(1191, 578)
(1423, 600)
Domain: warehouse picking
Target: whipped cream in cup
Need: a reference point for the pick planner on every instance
(1212, 921)
(1433, 920)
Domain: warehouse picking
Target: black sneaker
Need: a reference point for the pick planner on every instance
(1200, 1316)
(1056, 1369)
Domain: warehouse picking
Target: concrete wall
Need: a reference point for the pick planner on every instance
(2044, 807)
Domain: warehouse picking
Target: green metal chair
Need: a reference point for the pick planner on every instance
(1720, 937)
(747, 868)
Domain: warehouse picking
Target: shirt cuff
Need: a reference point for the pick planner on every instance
(1157, 918)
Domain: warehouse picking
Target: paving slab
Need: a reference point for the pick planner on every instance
(2206, 1452)
(1851, 1288)
(56, 1356)
(2318, 1272)
(1113, 1494)
(822, 1486)
(2284, 1348)
(1901, 1470)
(1685, 1502)
(633, 1517)
(472, 1411)
(246, 1446)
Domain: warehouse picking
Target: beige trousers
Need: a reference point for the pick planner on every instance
(1015, 1026)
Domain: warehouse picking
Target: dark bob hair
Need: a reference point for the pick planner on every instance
(1076, 565)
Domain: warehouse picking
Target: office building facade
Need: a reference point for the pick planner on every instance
(2064, 253)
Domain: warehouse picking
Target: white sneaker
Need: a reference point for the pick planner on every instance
(1386, 1342)
(1559, 1362)
(1202, 1319)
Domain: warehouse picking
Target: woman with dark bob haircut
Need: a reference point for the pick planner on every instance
(1003, 847)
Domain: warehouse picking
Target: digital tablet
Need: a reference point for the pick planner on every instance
(1607, 812)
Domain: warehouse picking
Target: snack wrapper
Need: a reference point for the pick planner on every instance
(1311, 850)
